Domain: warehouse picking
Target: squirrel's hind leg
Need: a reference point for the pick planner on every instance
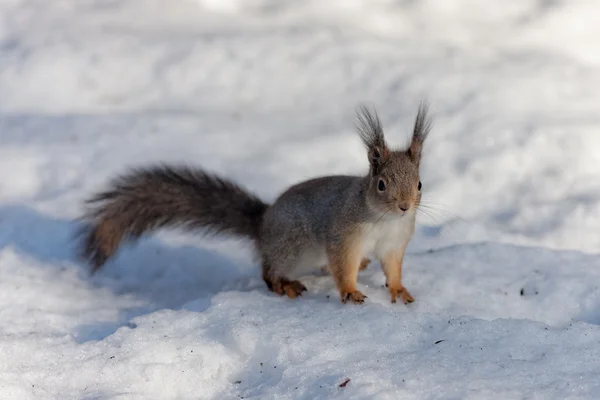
(364, 263)
(281, 285)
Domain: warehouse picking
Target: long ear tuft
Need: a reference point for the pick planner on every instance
(420, 132)
(371, 133)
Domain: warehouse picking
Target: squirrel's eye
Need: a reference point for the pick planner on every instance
(381, 185)
(420, 185)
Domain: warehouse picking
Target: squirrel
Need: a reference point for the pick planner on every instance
(329, 222)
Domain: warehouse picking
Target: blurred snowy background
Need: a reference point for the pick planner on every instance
(505, 269)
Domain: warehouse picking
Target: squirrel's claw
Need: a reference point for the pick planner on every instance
(292, 289)
(403, 294)
(356, 297)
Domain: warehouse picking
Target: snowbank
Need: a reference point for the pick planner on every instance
(505, 269)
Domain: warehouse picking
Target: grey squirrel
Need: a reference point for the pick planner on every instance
(330, 222)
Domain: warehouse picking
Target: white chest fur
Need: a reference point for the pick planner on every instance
(387, 235)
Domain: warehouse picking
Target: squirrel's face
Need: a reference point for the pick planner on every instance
(394, 183)
(396, 188)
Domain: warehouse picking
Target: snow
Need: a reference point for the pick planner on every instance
(504, 264)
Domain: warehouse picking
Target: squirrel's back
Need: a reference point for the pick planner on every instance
(313, 203)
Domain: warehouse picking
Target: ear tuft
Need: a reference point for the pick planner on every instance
(420, 132)
(371, 133)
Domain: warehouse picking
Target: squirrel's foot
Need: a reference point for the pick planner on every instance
(401, 292)
(292, 289)
(356, 297)
(364, 263)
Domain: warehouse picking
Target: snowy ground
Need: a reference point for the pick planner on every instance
(505, 271)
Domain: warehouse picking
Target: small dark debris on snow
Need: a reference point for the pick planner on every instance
(439, 341)
(343, 384)
(111, 357)
(237, 382)
(536, 292)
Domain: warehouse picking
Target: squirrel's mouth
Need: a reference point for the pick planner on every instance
(401, 209)
(396, 212)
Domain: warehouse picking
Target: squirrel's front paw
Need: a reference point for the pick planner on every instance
(364, 263)
(402, 293)
(356, 297)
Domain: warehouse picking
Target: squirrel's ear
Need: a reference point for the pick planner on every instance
(371, 133)
(421, 130)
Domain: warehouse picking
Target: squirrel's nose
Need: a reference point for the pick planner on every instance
(403, 206)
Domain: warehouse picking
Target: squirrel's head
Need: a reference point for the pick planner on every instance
(394, 183)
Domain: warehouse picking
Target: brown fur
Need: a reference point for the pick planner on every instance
(282, 286)
(364, 263)
(392, 268)
(345, 261)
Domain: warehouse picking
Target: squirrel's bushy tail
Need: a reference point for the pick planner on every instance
(146, 199)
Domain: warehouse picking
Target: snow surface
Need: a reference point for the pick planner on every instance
(504, 266)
